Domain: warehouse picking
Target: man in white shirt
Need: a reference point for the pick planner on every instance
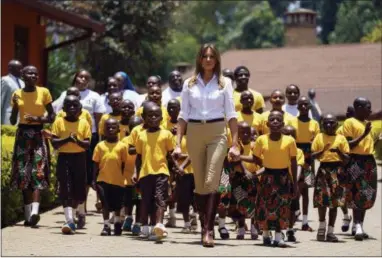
(174, 90)
(316, 111)
(9, 84)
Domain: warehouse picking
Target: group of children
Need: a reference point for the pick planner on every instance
(133, 166)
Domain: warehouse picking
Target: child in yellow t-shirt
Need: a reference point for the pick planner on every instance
(277, 101)
(152, 147)
(362, 168)
(246, 113)
(127, 111)
(154, 94)
(242, 178)
(71, 137)
(185, 187)
(132, 197)
(295, 204)
(275, 178)
(173, 108)
(115, 100)
(109, 160)
(331, 150)
(84, 114)
(306, 130)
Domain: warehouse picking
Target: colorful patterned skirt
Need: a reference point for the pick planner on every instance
(362, 187)
(329, 191)
(225, 187)
(30, 161)
(307, 170)
(243, 195)
(273, 200)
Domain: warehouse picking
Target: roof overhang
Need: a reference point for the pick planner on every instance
(57, 14)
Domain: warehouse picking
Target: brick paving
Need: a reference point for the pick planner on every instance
(47, 240)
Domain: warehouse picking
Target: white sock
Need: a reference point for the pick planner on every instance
(241, 231)
(106, 222)
(68, 211)
(145, 230)
(172, 213)
(322, 224)
(265, 233)
(304, 219)
(27, 211)
(81, 209)
(278, 237)
(358, 229)
(347, 217)
(35, 206)
(117, 219)
(330, 230)
(129, 216)
(253, 229)
(290, 229)
(221, 222)
(187, 224)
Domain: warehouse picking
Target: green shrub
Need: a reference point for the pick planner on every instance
(12, 201)
(376, 131)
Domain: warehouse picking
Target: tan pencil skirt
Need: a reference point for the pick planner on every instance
(207, 147)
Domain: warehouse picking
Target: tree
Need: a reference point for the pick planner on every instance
(355, 19)
(328, 13)
(260, 29)
(375, 36)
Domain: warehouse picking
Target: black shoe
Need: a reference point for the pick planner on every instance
(81, 221)
(117, 229)
(291, 237)
(224, 234)
(35, 218)
(106, 231)
(267, 241)
(27, 223)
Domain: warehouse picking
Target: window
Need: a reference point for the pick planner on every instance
(21, 37)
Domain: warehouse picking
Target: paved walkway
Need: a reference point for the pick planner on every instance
(47, 240)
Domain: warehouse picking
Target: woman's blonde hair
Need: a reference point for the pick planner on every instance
(199, 68)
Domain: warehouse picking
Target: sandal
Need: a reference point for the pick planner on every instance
(346, 224)
(331, 238)
(224, 234)
(321, 234)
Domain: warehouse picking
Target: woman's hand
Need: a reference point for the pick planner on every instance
(234, 153)
(176, 153)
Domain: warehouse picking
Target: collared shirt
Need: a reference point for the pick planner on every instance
(133, 97)
(293, 110)
(206, 101)
(9, 84)
(169, 94)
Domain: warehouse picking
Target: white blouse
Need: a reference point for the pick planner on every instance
(207, 101)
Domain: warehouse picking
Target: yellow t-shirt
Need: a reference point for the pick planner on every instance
(62, 129)
(305, 131)
(84, 115)
(168, 125)
(183, 146)
(257, 104)
(134, 135)
(264, 128)
(335, 141)
(110, 157)
(165, 115)
(354, 128)
(154, 146)
(124, 131)
(300, 157)
(254, 120)
(32, 103)
(340, 130)
(101, 125)
(129, 164)
(275, 154)
(251, 167)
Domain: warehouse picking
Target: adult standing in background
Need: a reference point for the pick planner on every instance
(127, 89)
(174, 90)
(9, 84)
(229, 73)
(207, 104)
(316, 111)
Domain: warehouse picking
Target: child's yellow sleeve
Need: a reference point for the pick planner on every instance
(258, 148)
(101, 125)
(56, 128)
(293, 148)
(87, 132)
(97, 154)
(139, 146)
(344, 145)
(316, 144)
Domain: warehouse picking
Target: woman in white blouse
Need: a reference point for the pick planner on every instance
(207, 104)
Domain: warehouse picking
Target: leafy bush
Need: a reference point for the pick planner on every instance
(12, 201)
(376, 131)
